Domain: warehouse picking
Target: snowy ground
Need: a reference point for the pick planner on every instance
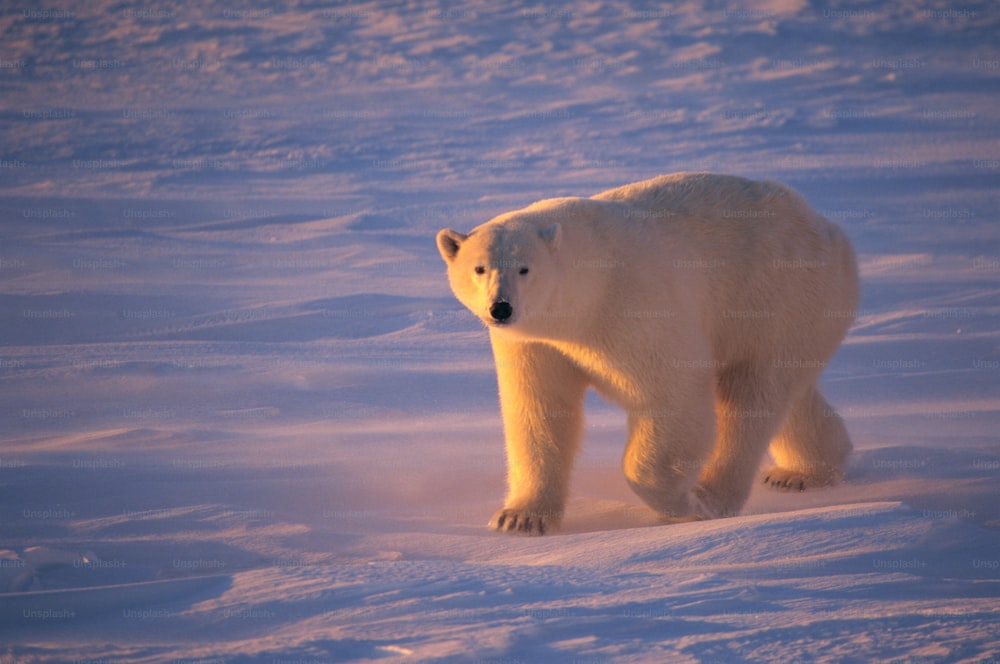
(243, 419)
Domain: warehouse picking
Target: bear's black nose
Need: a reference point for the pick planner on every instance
(501, 311)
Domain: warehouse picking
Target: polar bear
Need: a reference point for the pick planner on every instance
(705, 305)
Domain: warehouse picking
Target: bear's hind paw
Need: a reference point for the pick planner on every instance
(783, 482)
(522, 522)
(783, 479)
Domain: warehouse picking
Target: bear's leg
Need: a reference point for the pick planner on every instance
(666, 449)
(812, 447)
(541, 398)
(750, 406)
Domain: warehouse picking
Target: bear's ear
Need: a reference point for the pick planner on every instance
(448, 242)
(552, 235)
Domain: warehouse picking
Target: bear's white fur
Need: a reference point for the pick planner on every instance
(705, 305)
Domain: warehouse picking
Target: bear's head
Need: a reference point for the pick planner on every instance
(503, 271)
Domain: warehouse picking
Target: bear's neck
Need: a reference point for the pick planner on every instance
(573, 311)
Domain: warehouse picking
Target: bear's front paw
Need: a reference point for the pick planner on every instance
(524, 521)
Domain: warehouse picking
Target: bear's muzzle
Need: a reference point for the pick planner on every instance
(501, 311)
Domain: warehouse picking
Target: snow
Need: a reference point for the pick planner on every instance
(244, 419)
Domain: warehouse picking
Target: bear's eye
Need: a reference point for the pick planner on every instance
(480, 269)
(523, 270)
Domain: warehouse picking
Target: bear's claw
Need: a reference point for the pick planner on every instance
(776, 481)
(518, 521)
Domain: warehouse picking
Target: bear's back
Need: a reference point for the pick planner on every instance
(691, 193)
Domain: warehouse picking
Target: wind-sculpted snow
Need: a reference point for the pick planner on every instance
(243, 418)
